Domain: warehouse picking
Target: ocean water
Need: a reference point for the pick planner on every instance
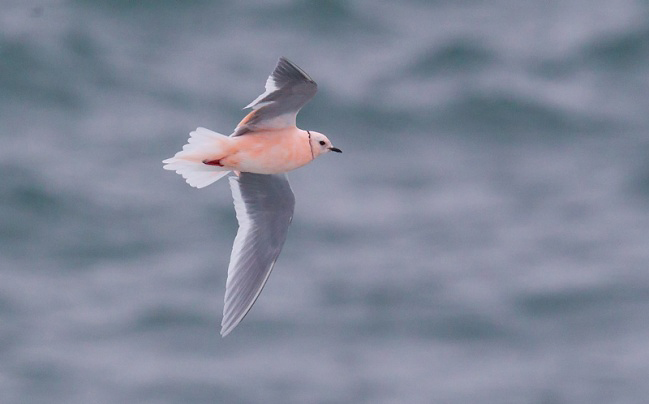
(484, 237)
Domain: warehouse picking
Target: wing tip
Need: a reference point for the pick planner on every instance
(284, 63)
(284, 73)
(226, 330)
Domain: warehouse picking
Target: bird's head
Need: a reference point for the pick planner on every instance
(320, 144)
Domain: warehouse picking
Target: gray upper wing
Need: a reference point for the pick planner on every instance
(288, 88)
(264, 205)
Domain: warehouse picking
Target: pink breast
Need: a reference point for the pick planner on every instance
(269, 152)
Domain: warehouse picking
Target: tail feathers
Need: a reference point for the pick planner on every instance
(202, 137)
(204, 144)
(196, 174)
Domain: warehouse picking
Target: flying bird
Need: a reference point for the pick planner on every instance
(263, 147)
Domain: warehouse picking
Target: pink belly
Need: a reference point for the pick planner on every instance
(269, 152)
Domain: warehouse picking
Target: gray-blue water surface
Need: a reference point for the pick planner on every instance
(484, 238)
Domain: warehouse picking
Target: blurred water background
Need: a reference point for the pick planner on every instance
(484, 238)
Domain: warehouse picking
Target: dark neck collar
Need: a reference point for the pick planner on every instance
(310, 146)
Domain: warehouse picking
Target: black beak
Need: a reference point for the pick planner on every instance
(337, 150)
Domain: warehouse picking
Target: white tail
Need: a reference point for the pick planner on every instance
(203, 144)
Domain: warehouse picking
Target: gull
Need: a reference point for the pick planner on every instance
(264, 146)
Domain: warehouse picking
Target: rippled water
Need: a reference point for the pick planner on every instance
(483, 238)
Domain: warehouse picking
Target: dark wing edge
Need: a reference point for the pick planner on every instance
(286, 72)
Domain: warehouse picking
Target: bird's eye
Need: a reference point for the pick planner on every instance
(322, 143)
